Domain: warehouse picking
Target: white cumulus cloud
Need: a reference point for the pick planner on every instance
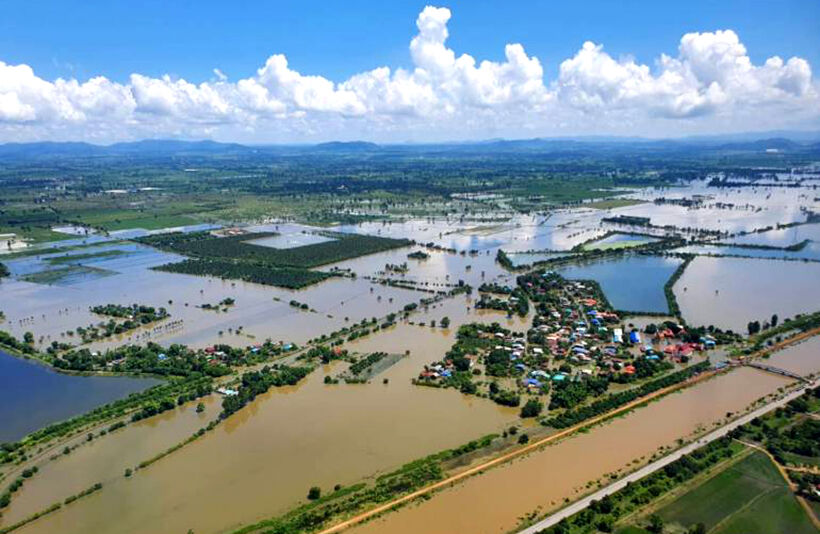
(709, 83)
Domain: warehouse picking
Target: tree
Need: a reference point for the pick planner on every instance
(28, 337)
(655, 524)
(700, 528)
(445, 322)
(200, 408)
(532, 408)
(314, 493)
(523, 438)
(774, 320)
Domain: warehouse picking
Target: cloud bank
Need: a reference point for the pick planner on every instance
(711, 85)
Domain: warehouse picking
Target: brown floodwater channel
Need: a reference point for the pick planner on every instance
(497, 499)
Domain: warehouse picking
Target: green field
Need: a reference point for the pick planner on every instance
(34, 234)
(749, 497)
(618, 245)
(55, 276)
(613, 203)
(79, 258)
(155, 222)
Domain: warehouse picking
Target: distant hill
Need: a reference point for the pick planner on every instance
(803, 142)
(777, 143)
(166, 146)
(349, 146)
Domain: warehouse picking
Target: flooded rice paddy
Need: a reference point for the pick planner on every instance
(730, 292)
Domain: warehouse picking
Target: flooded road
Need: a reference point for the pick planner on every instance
(542, 480)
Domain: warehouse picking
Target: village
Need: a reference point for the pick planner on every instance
(576, 348)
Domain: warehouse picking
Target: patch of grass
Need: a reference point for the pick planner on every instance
(78, 258)
(613, 203)
(34, 234)
(617, 245)
(55, 276)
(154, 222)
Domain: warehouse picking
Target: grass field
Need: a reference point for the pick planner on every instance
(749, 497)
(148, 223)
(613, 203)
(79, 258)
(617, 245)
(56, 276)
(34, 234)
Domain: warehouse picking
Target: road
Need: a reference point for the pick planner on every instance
(577, 506)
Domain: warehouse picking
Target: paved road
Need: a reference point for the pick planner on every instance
(658, 464)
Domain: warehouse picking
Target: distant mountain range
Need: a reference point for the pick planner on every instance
(784, 142)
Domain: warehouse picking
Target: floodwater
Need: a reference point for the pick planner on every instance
(50, 312)
(782, 237)
(616, 239)
(730, 292)
(633, 283)
(541, 480)
(811, 251)
(262, 460)
(109, 456)
(33, 396)
(803, 358)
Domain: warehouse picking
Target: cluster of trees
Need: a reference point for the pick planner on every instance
(504, 260)
(136, 312)
(224, 304)
(175, 360)
(644, 368)
(494, 288)
(326, 354)
(754, 327)
(576, 415)
(418, 255)
(571, 393)
(367, 362)
(258, 273)
(8, 340)
(257, 382)
(504, 397)
(517, 303)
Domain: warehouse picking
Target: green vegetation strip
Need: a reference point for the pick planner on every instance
(344, 502)
(76, 258)
(53, 508)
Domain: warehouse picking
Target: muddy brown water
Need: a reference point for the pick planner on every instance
(494, 501)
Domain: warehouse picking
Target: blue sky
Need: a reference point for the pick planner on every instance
(337, 39)
(321, 80)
